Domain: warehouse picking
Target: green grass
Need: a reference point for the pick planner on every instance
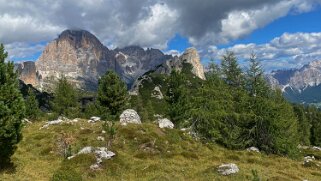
(143, 152)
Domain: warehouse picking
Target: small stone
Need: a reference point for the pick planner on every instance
(94, 119)
(253, 149)
(103, 132)
(95, 166)
(100, 138)
(165, 123)
(228, 169)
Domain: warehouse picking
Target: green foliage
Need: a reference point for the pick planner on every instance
(66, 173)
(32, 106)
(304, 125)
(110, 129)
(255, 175)
(112, 95)
(177, 98)
(65, 100)
(12, 109)
(233, 74)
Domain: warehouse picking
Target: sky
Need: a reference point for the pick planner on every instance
(282, 33)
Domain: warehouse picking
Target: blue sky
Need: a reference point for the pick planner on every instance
(283, 33)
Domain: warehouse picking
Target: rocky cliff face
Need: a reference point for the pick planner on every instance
(190, 56)
(83, 59)
(299, 85)
(297, 79)
(79, 56)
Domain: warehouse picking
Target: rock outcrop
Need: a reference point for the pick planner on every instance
(83, 59)
(299, 85)
(190, 56)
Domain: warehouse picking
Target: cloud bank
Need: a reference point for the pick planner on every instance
(148, 23)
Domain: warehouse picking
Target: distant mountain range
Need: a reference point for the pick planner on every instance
(301, 85)
(83, 59)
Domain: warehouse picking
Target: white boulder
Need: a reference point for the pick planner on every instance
(165, 123)
(228, 169)
(94, 119)
(157, 93)
(129, 116)
(253, 149)
(316, 148)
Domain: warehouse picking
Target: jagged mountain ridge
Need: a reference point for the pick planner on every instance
(83, 59)
(301, 85)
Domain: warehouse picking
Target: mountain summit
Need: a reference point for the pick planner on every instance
(83, 59)
(299, 85)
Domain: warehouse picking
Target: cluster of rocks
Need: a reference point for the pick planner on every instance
(228, 169)
(101, 153)
(60, 120)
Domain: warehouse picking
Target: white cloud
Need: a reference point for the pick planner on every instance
(148, 23)
(286, 51)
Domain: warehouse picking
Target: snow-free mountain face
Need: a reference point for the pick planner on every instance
(299, 85)
(83, 59)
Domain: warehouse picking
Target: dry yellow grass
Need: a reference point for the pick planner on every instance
(144, 152)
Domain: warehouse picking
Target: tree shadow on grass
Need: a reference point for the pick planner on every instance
(8, 168)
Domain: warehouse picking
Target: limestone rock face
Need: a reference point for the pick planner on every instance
(27, 72)
(79, 56)
(129, 116)
(190, 56)
(83, 59)
(134, 61)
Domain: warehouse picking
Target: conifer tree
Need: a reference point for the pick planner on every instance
(32, 106)
(304, 125)
(256, 83)
(231, 70)
(65, 102)
(177, 97)
(112, 95)
(12, 109)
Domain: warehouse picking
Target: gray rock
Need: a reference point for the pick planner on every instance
(129, 116)
(228, 169)
(157, 93)
(94, 119)
(165, 123)
(253, 149)
(86, 150)
(103, 154)
(100, 138)
(316, 148)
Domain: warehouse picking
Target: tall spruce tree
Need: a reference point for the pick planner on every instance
(231, 70)
(65, 102)
(12, 109)
(112, 95)
(32, 106)
(255, 82)
(177, 97)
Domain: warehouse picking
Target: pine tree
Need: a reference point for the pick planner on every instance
(112, 95)
(32, 106)
(232, 73)
(12, 109)
(256, 83)
(304, 125)
(177, 97)
(65, 102)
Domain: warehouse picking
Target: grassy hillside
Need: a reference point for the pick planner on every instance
(143, 152)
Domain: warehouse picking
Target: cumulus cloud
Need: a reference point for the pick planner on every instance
(286, 51)
(148, 23)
